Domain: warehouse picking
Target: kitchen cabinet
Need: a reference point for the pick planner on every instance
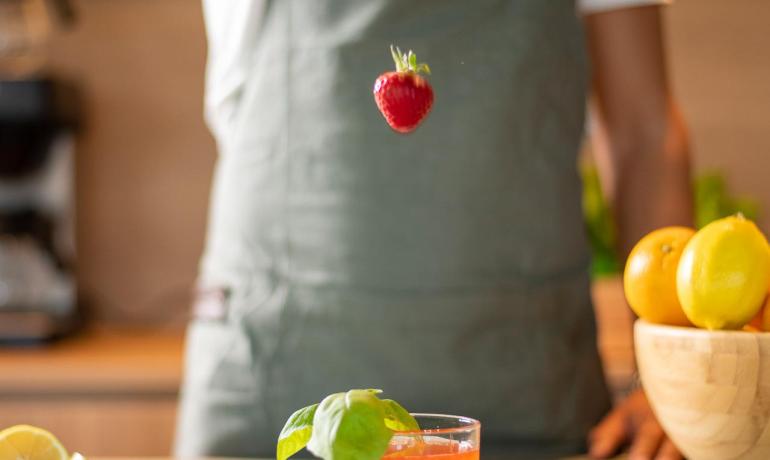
(107, 392)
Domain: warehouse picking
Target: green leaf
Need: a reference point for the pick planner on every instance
(397, 418)
(407, 62)
(746, 206)
(713, 200)
(398, 58)
(350, 426)
(412, 60)
(296, 433)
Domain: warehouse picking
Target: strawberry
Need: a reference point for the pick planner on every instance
(404, 97)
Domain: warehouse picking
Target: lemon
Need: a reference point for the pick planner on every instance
(649, 279)
(24, 442)
(723, 274)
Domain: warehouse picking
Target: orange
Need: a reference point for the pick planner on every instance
(766, 315)
(649, 279)
(761, 321)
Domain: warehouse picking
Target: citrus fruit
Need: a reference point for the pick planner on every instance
(24, 442)
(761, 321)
(751, 328)
(765, 324)
(649, 279)
(723, 274)
(756, 323)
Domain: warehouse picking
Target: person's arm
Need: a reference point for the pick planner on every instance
(645, 169)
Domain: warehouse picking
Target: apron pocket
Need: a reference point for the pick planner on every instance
(219, 357)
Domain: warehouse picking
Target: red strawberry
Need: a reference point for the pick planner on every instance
(403, 96)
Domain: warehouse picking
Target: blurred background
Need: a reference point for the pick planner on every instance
(105, 166)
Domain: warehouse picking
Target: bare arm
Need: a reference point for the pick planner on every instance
(646, 167)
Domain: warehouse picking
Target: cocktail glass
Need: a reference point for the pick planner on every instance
(441, 437)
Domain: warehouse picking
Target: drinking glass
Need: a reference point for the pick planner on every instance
(441, 437)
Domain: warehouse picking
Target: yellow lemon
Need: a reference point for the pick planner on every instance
(723, 274)
(649, 279)
(24, 442)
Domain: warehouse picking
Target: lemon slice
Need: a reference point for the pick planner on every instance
(24, 442)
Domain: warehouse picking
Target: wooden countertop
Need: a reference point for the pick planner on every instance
(615, 327)
(100, 361)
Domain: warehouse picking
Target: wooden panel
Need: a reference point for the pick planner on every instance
(616, 343)
(145, 156)
(107, 392)
(720, 62)
(99, 427)
(102, 362)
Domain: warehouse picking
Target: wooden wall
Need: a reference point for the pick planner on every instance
(145, 156)
(720, 62)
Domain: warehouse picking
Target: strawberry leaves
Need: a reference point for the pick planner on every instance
(408, 62)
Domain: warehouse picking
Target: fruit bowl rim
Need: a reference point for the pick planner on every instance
(692, 331)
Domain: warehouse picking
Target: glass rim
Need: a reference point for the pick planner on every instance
(472, 424)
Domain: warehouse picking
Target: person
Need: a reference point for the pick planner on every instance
(449, 266)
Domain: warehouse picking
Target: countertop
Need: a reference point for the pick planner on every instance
(94, 389)
(98, 361)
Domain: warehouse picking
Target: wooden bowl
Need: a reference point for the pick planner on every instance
(709, 389)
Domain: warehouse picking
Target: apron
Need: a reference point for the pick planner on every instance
(448, 267)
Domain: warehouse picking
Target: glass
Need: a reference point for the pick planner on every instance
(441, 437)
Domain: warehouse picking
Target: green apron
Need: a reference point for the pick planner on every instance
(448, 267)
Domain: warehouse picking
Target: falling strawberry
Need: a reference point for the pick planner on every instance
(403, 96)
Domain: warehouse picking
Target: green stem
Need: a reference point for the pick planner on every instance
(408, 62)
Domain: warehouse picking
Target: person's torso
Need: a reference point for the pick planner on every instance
(315, 185)
(449, 265)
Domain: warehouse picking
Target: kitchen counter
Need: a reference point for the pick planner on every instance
(99, 361)
(113, 391)
(105, 392)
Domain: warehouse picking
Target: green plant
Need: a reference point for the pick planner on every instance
(712, 200)
(600, 225)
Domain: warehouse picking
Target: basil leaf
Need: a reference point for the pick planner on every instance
(350, 426)
(397, 418)
(296, 433)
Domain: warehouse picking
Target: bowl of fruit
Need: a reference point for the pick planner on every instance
(702, 355)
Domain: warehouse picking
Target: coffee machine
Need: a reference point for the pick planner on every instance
(38, 120)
